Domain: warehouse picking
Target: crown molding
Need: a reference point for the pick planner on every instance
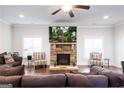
(119, 24)
(96, 26)
(60, 24)
(5, 22)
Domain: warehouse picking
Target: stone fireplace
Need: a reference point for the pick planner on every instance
(63, 59)
(63, 53)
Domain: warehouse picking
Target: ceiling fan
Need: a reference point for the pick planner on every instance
(68, 9)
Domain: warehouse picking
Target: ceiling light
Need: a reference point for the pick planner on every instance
(106, 17)
(66, 8)
(21, 16)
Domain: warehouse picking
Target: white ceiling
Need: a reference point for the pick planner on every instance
(42, 14)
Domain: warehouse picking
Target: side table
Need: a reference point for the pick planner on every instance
(106, 61)
(29, 59)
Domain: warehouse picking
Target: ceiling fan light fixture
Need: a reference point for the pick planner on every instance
(69, 9)
(66, 8)
(21, 16)
(106, 17)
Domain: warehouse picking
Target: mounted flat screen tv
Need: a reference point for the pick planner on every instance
(62, 34)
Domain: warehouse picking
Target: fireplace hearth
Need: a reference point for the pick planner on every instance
(63, 59)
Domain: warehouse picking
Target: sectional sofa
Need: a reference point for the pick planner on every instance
(98, 77)
(55, 80)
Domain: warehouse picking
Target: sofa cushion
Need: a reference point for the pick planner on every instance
(98, 80)
(78, 80)
(14, 80)
(17, 58)
(2, 61)
(7, 70)
(121, 77)
(54, 80)
(113, 77)
(17, 63)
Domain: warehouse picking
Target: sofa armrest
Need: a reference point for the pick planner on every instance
(121, 77)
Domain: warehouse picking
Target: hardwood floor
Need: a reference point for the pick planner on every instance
(30, 70)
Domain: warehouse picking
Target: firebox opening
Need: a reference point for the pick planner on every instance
(63, 59)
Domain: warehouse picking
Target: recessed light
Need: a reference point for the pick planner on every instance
(21, 16)
(106, 17)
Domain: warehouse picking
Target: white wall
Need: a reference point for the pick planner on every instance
(105, 33)
(19, 31)
(5, 37)
(119, 44)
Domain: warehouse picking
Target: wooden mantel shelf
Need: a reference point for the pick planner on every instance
(64, 43)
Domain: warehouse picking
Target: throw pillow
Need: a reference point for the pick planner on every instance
(95, 70)
(8, 59)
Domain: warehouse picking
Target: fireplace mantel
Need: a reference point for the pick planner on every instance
(64, 43)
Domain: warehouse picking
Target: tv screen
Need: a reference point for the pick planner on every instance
(62, 33)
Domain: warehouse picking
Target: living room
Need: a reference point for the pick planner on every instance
(47, 46)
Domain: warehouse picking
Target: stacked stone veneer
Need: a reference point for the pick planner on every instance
(64, 48)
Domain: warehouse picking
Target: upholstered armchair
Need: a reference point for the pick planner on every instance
(95, 59)
(39, 59)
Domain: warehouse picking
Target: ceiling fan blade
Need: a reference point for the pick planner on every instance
(81, 6)
(71, 13)
(56, 11)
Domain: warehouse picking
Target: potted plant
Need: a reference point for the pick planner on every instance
(54, 63)
(73, 63)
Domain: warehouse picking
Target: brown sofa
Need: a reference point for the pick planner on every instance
(114, 79)
(10, 74)
(6, 70)
(56, 81)
(18, 60)
(98, 77)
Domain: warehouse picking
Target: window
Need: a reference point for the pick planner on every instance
(31, 45)
(93, 45)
